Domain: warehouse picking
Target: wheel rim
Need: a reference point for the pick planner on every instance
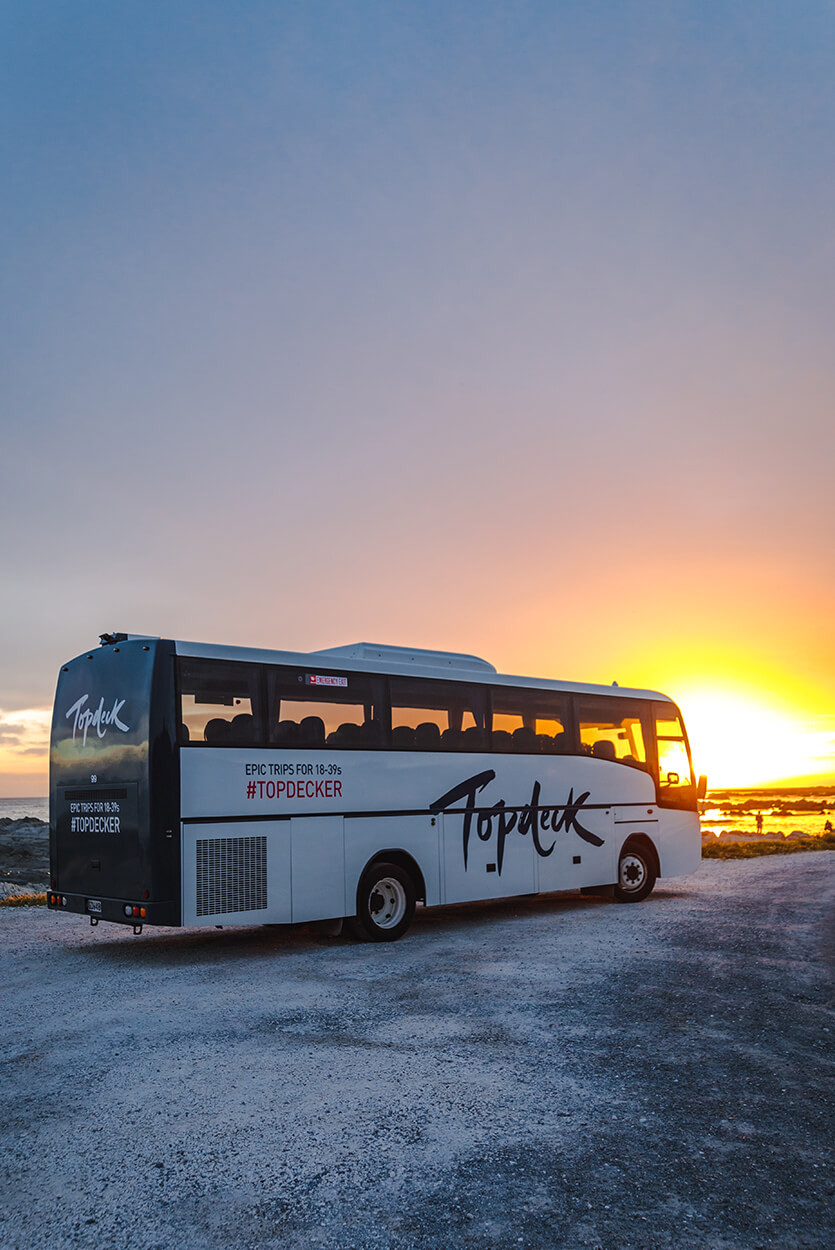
(633, 873)
(387, 903)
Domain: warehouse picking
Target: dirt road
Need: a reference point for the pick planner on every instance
(546, 1073)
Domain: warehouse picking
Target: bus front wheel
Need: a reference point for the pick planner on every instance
(385, 904)
(636, 874)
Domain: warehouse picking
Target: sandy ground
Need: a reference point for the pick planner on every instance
(545, 1073)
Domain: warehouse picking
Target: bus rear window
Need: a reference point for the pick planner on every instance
(219, 703)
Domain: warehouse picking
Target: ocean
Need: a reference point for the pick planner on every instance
(25, 809)
(783, 812)
(726, 811)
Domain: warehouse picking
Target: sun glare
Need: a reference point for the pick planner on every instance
(739, 740)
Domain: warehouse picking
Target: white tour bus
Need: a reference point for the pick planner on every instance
(195, 785)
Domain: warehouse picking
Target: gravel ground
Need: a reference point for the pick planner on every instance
(543, 1073)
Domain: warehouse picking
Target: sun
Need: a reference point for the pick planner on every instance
(739, 739)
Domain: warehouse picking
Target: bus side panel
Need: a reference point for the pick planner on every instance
(236, 873)
(680, 849)
(369, 837)
(318, 868)
(578, 860)
(479, 868)
(538, 824)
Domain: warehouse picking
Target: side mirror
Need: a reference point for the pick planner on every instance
(701, 789)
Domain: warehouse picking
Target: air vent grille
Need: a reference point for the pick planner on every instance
(231, 875)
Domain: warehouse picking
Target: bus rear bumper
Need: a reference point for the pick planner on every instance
(116, 910)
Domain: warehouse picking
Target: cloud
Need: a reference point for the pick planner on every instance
(23, 732)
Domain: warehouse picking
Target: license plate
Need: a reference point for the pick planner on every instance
(94, 905)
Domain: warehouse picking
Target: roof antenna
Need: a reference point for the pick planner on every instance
(614, 683)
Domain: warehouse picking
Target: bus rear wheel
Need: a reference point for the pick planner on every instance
(636, 875)
(385, 903)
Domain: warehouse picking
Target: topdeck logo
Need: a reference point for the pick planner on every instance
(101, 719)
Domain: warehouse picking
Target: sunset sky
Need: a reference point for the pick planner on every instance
(502, 328)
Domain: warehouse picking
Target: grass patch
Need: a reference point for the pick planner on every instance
(749, 850)
(24, 900)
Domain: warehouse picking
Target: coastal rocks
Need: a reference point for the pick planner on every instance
(12, 889)
(23, 824)
(24, 854)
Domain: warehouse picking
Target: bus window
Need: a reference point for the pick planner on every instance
(676, 783)
(530, 721)
(219, 703)
(437, 716)
(613, 729)
(323, 710)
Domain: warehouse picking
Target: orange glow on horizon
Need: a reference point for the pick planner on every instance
(739, 739)
(24, 752)
(753, 720)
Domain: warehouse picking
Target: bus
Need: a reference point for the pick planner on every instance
(193, 784)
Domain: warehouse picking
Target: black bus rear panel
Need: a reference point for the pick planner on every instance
(114, 840)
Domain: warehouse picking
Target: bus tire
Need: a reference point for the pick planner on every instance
(636, 874)
(385, 903)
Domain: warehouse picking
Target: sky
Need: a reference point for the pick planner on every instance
(497, 328)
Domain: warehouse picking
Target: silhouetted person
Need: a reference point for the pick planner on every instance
(759, 822)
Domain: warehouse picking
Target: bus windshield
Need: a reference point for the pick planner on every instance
(676, 780)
